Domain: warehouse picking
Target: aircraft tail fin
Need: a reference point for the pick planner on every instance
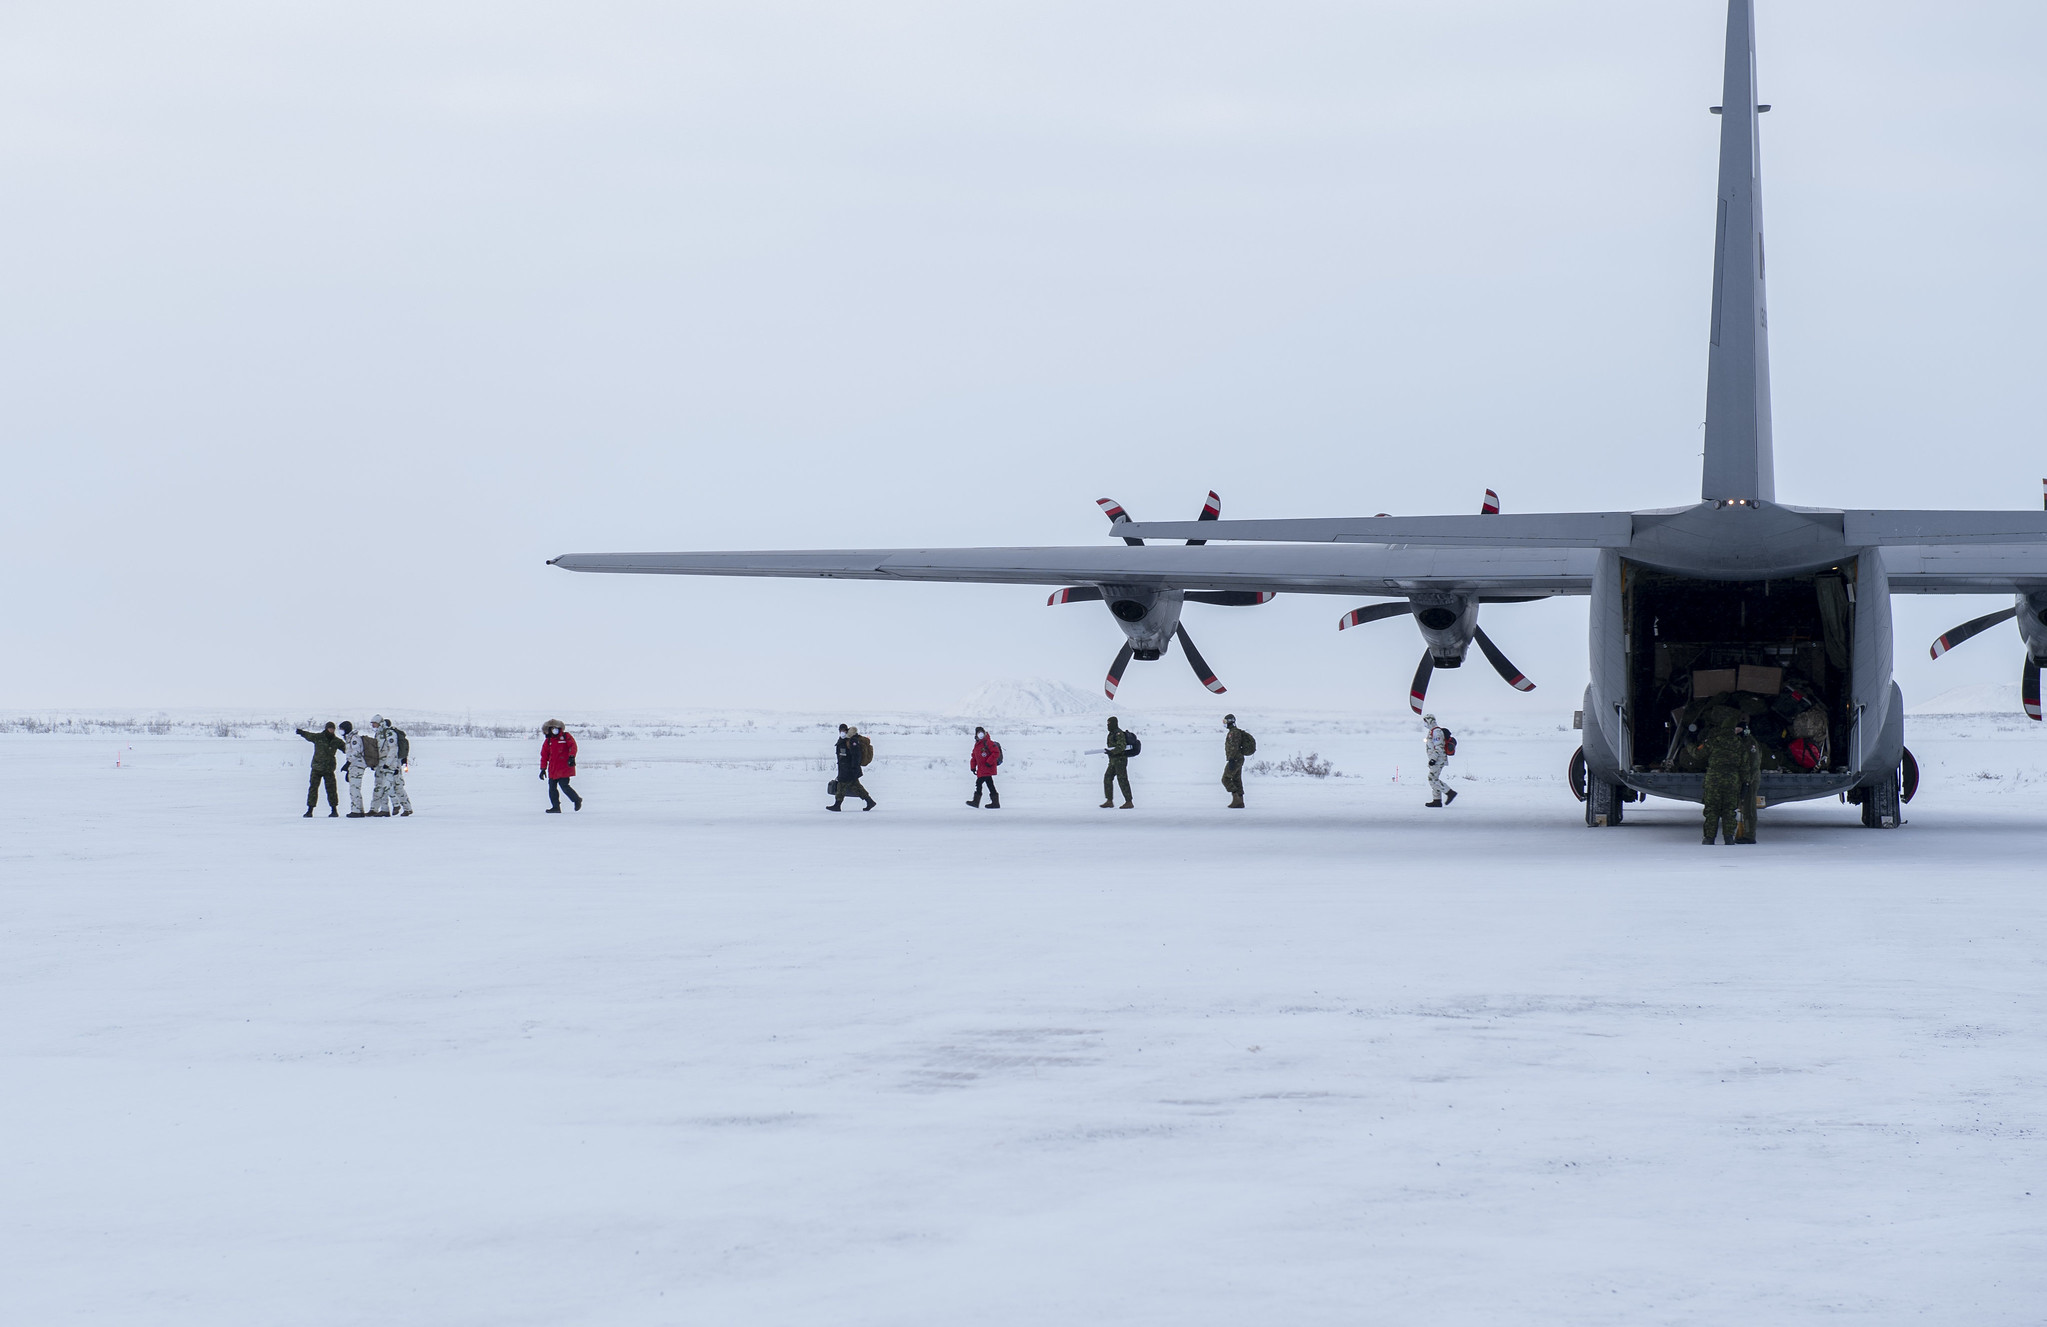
(1739, 463)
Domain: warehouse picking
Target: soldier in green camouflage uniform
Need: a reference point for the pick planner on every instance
(1236, 746)
(1751, 788)
(1119, 768)
(1730, 754)
(325, 745)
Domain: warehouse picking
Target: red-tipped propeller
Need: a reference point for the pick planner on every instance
(1211, 510)
(1417, 693)
(2029, 673)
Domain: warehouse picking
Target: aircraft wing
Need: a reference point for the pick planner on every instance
(1367, 569)
(1573, 529)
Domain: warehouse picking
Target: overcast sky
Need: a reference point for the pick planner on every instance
(325, 325)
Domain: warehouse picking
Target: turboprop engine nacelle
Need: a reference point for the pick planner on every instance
(1148, 616)
(1447, 622)
(2031, 627)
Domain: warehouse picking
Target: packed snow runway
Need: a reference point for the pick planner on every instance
(704, 1053)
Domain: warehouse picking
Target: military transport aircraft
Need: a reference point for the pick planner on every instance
(1733, 600)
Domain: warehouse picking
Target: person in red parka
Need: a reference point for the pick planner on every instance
(987, 758)
(558, 764)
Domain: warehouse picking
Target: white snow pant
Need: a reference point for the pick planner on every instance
(380, 792)
(394, 787)
(355, 790)
(1436, 784)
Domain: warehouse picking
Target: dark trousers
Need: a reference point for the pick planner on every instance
(555, 789)
(313, 790)
(994, 798)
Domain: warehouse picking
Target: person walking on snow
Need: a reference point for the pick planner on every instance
(325, 745)
(353, 770)
(1118, 772)
(388, 794)
(985, 760)
(558, 764)
(853, 751)
(1441, 747)
(1237, 744)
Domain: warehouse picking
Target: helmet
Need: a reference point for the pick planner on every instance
(1229, 718)
(376, 721)
(1429, 719)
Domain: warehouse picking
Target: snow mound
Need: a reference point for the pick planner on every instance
(1979, 698)
(1037, 698)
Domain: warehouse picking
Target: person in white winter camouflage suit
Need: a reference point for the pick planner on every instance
(357, 767)
(1439, 756)
(389, 797)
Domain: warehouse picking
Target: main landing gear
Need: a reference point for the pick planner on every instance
(1603, 800)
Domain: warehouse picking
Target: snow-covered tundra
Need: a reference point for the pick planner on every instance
(702, 1053)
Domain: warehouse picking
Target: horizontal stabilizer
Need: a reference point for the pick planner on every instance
(1944, 527)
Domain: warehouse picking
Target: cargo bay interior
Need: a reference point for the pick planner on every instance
(1704, 652)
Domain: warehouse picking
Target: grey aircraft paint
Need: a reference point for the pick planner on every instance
(1737, 550)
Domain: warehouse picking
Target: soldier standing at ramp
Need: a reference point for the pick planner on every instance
(1730, 751)
(1237, 744)
(1751, 790)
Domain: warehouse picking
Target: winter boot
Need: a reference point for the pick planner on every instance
(1237, 802)
(309, 814)
(836, 805)
(1437, 802)
(333, 811)
(408, 810)
(552, 811)
(1449, 796)
(579, 803)
(1129, 805)
(869, 806)
(976, 803)
(358, 815)
(1106, 805)
(994, 805)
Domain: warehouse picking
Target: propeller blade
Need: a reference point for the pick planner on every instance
(2029, 688)
(1956, 635)
(1501, 664)
(1117, 516)
(1419, 692)
(1199, 664)
(1491, 505)
(1212, 511)
(1231, 598)
(1079, 594)
(1357, 617)
(1116, 670)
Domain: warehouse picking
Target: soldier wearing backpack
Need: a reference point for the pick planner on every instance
(1442, 744)
(1122, 746)
(985, 760)
(854, 753)
(1237, 744)
(360, 753)
(387, 796)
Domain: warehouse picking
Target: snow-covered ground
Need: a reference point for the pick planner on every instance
(704, 1053)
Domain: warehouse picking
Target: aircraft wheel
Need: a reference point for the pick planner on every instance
(1575, 773)
(1880, 804)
